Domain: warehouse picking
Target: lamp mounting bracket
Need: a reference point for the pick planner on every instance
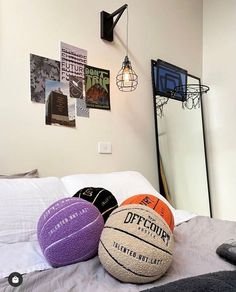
(108, 24)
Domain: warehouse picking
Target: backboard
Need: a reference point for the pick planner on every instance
(167, 77)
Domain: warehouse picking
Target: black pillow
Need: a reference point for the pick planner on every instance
(103, 199)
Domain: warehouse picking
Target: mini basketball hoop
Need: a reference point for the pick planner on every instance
(191, 94)
(171, 82)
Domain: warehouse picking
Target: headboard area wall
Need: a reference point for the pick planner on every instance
(37, 27)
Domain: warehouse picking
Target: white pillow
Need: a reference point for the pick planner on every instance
(121, 184)
(23, 200)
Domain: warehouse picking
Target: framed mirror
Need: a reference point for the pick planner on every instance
(180, 139)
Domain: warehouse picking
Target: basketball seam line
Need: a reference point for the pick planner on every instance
(131, 208)
(72, 234)
(57, 212)
(98, 195)
(139, 239)
(136, 208)
(156, 204)
(96, 198)
(110, 209)
(124, 266)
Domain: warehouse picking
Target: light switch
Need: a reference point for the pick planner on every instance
(104, 147)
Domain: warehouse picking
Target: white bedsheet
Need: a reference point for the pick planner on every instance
(21, 257)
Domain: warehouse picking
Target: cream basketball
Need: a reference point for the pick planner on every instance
(136, 244)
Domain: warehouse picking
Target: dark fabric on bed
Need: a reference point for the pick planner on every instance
(228, 251)
(215, 282)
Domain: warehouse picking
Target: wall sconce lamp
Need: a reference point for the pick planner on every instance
(126, 79)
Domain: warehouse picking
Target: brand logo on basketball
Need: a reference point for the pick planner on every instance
(134, 218)
(88, 192)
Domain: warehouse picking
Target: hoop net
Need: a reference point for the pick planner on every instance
(160, 102)
(191, 94)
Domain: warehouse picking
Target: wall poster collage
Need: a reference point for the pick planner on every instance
(69, 87)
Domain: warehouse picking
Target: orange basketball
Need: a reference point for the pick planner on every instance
(156, 204)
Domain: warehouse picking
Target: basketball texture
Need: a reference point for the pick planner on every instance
(69, 231)
(156, 204)
(136, 244)
(104, 200)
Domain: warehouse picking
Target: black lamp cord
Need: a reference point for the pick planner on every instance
(127, 31)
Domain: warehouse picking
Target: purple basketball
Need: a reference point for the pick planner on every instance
(69, 231)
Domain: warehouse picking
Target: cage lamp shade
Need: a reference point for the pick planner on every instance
(126, 79)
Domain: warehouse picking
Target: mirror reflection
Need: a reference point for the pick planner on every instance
(181, 152)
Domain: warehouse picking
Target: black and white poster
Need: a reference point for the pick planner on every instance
(73, 60)
(42, 68)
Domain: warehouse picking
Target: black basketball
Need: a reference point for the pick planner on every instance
(103, 199)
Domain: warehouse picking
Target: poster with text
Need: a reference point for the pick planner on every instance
(59, 106)
(73, 60)
(42, 68)
(97, 87)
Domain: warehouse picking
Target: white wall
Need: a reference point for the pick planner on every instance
(219, 63)
(170, 30)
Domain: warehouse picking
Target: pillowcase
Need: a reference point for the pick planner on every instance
(23, 200)
(23, 257)
(121, 184)
(29, 174)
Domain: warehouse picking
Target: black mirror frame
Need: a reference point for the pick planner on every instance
(161, 186)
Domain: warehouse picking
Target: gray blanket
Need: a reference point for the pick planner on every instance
(194, 254)
(216, 282)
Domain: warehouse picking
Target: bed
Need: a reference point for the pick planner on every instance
(24, 199)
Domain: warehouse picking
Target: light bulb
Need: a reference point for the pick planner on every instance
(126, 74)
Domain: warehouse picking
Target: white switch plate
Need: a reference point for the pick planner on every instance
(104, 147)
